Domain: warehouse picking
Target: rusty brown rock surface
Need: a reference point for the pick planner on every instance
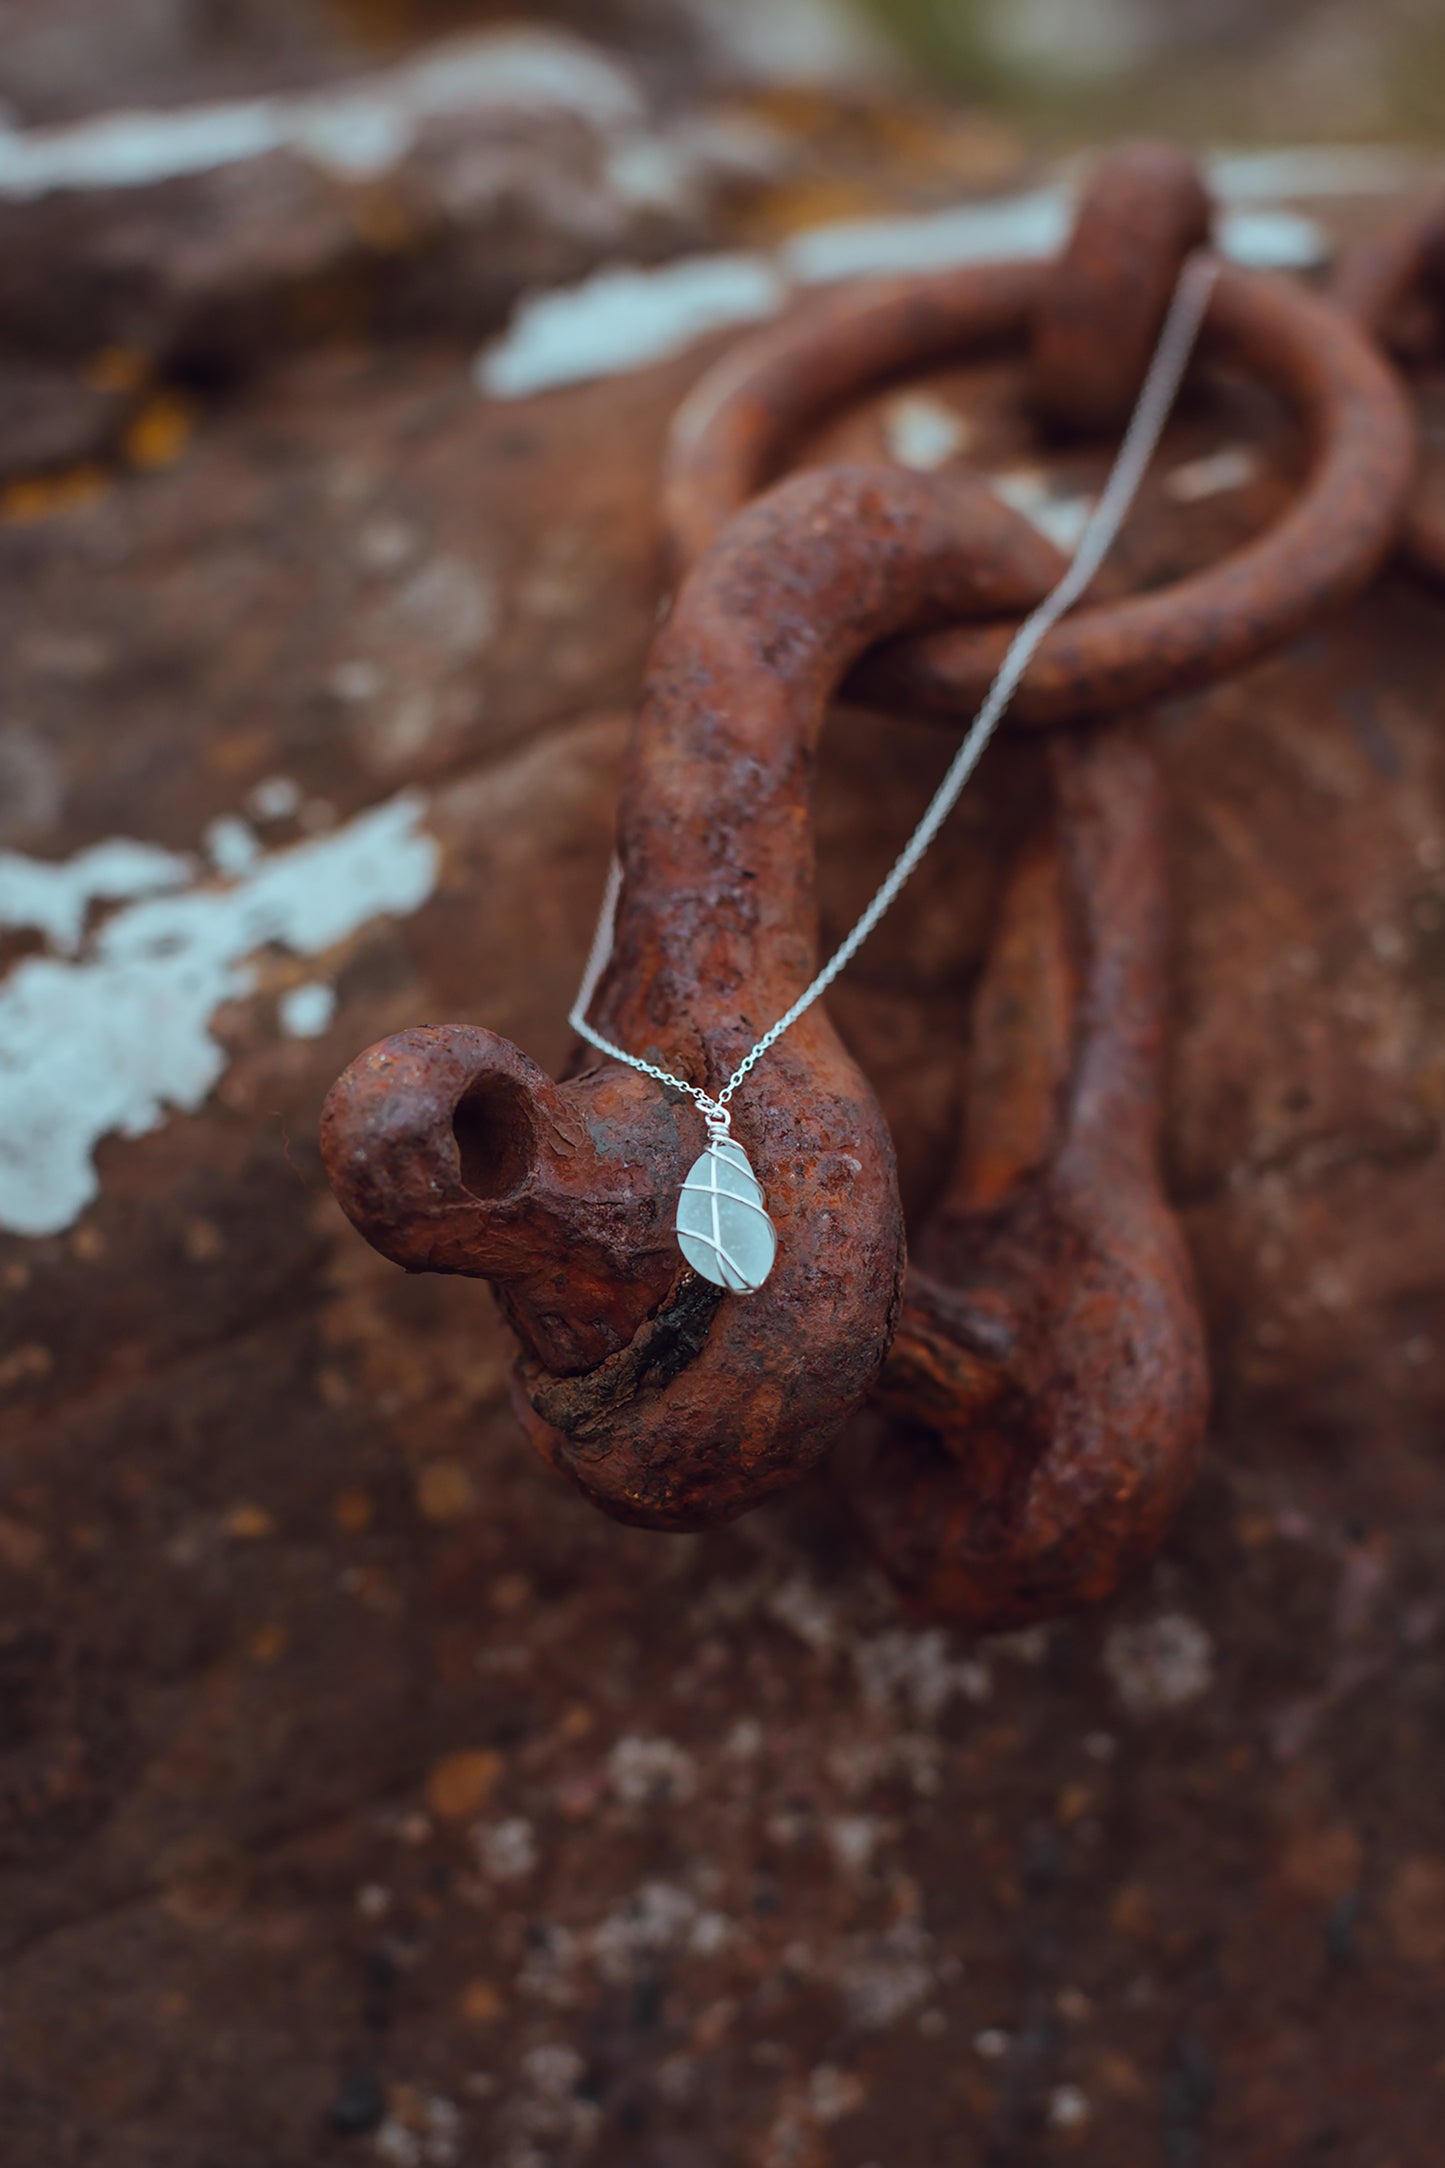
(363, 1795)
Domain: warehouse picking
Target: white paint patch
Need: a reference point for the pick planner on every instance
(1312, 169)
(1058, 37)
(625, 319)
(1160, 1664)
(644, 1771)
(360, 128)
(56, 900)
(659, 1917)
(108, 1041)
(1030, 225)
(231, 845)
(506, 1851)
(1068, 2108)
(276, 798)
(306, 1011)
(1272, 240)
(662, 169)
(811, 41)
(451, 605)
(1230, 468)
(922, 433)
(916, 1673)
(1058, 516)
(853, 1839)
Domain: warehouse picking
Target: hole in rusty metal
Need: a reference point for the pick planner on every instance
(493, 1128)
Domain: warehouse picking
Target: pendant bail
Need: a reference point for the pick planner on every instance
(719, 1121)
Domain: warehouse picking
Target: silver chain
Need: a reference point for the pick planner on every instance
(1141, 438)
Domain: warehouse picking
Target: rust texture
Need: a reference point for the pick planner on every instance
(1393, 284)
(667, 1403)
(369, 1798)
(735, 430)
(1048, 1372)
(1144, 210)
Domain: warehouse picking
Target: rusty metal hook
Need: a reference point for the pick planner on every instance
(668, 1404)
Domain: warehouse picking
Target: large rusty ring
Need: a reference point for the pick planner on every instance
(1142, 214)
(734, 431)
(1376, 285)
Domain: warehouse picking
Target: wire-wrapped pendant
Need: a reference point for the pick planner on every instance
(722, 1228)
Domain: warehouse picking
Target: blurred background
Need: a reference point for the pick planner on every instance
(1313, 68)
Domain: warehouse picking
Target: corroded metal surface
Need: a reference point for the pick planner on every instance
(450, 1151)
(665, 1405)
(737, 426)
(369, 1799)
(1048, 1376)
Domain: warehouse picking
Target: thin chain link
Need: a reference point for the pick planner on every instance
(1141, 438)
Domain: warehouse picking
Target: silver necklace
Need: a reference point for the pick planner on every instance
(723, 1228)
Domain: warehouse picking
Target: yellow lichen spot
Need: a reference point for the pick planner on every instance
(332, 1386)
(248, 1523)
(445, 1491)
(28, 1365)
(575, 1721)
(160, 432)
(1120, 2075)
(1073, 1803)
(461, 1784)
(269, 1642)
(1132, 1911)
(818, 200)
(87, 1244)
(22, 1548)
(44, 494)
(240, 753)
(353, 1512)
(383, 223)
(203, 1242)
(481, 2004)
(115, 368)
